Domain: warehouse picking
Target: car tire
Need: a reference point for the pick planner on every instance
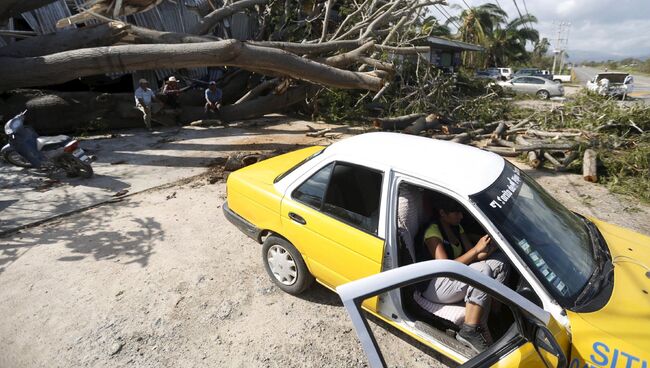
(285, 265)
(557, 81)
(543, 94)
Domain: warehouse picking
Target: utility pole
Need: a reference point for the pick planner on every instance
(560, 44)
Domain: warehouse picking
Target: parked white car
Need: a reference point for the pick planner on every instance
(506, 72)
(562, 78)
(611, 84)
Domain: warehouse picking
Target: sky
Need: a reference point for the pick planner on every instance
(613, 27)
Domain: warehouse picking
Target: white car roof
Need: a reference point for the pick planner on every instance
(463, 169)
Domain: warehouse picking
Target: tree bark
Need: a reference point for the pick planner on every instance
(104, 34)
(65, 66)
(209, 21)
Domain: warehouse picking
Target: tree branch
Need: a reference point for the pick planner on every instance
(209, 21)
(65, 66)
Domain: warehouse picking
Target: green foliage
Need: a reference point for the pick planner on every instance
(620, 134)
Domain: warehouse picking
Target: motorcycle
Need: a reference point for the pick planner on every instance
(27, 149)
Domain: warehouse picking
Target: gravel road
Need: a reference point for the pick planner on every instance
(161, 279)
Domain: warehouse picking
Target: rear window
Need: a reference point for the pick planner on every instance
(293, 168)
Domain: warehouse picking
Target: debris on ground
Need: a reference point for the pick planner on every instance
(118, 162)
(47, 184)
(206, 122)
(171, 196)
(121, 193)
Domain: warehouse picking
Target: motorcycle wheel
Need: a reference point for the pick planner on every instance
(15, 158)
(85, 170)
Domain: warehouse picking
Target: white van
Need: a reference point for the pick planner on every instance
(505, 72)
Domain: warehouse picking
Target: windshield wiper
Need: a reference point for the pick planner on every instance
(598, 278)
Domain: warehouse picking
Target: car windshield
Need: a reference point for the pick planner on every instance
(553, 241)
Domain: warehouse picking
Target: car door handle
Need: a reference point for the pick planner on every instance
(297, 218)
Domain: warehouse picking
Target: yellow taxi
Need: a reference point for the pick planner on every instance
(351, 217)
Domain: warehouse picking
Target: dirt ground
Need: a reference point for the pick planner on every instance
(161, 279)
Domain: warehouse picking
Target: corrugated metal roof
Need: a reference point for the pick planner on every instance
(178, 16)
(43, 20)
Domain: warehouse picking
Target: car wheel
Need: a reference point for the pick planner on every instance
(557, 81)
(543, 95)
(285, 265)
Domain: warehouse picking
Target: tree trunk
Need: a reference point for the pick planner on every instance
(267, 104)
(104, 34)
(65, 66)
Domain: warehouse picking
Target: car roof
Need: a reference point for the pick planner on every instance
(463, 169)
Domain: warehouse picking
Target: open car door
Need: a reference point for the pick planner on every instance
(531, 325)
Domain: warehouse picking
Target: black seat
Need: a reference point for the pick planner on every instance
(53, 142)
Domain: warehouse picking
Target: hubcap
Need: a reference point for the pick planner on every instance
(282, 265)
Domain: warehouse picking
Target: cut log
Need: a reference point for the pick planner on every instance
(557, 165)
(502, 151)
(589, 168)
(396, 123)
(65, 66)
(533, 159)
(547, 147)
(429, 122)
(545, 134)
(499, 131)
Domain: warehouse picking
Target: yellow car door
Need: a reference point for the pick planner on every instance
(332, 218)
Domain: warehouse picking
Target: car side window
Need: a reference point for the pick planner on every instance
(520, 80)
(312, 191)
(354, 196)
(536, 81)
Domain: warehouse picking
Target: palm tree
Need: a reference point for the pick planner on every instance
(504, 41)
(476, 25)
(508, 44)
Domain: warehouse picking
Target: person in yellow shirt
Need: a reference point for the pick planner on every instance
(446, 239)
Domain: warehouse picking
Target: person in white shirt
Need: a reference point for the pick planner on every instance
(144, 96)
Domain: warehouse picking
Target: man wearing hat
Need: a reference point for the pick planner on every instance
(171, 92)
(212, 98)
(144, 96)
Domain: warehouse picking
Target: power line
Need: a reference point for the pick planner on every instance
(447, 16)
(527, 14)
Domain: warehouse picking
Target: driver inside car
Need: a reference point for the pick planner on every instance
(446, 239)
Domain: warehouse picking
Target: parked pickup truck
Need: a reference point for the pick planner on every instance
(562, 78)
(611, 84)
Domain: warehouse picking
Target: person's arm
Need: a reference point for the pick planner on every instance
(207, 99)
(437, 249)
(139, 97)
(468, 246)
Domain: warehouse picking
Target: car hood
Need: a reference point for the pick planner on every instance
(266, 171)
(623, 324)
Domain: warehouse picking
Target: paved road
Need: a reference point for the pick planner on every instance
(641, 83)
(134, 161)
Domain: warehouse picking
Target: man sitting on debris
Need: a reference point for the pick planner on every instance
(171, 91)
(144, 96)
(213, 98)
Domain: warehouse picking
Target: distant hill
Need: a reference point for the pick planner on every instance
(578, 56)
